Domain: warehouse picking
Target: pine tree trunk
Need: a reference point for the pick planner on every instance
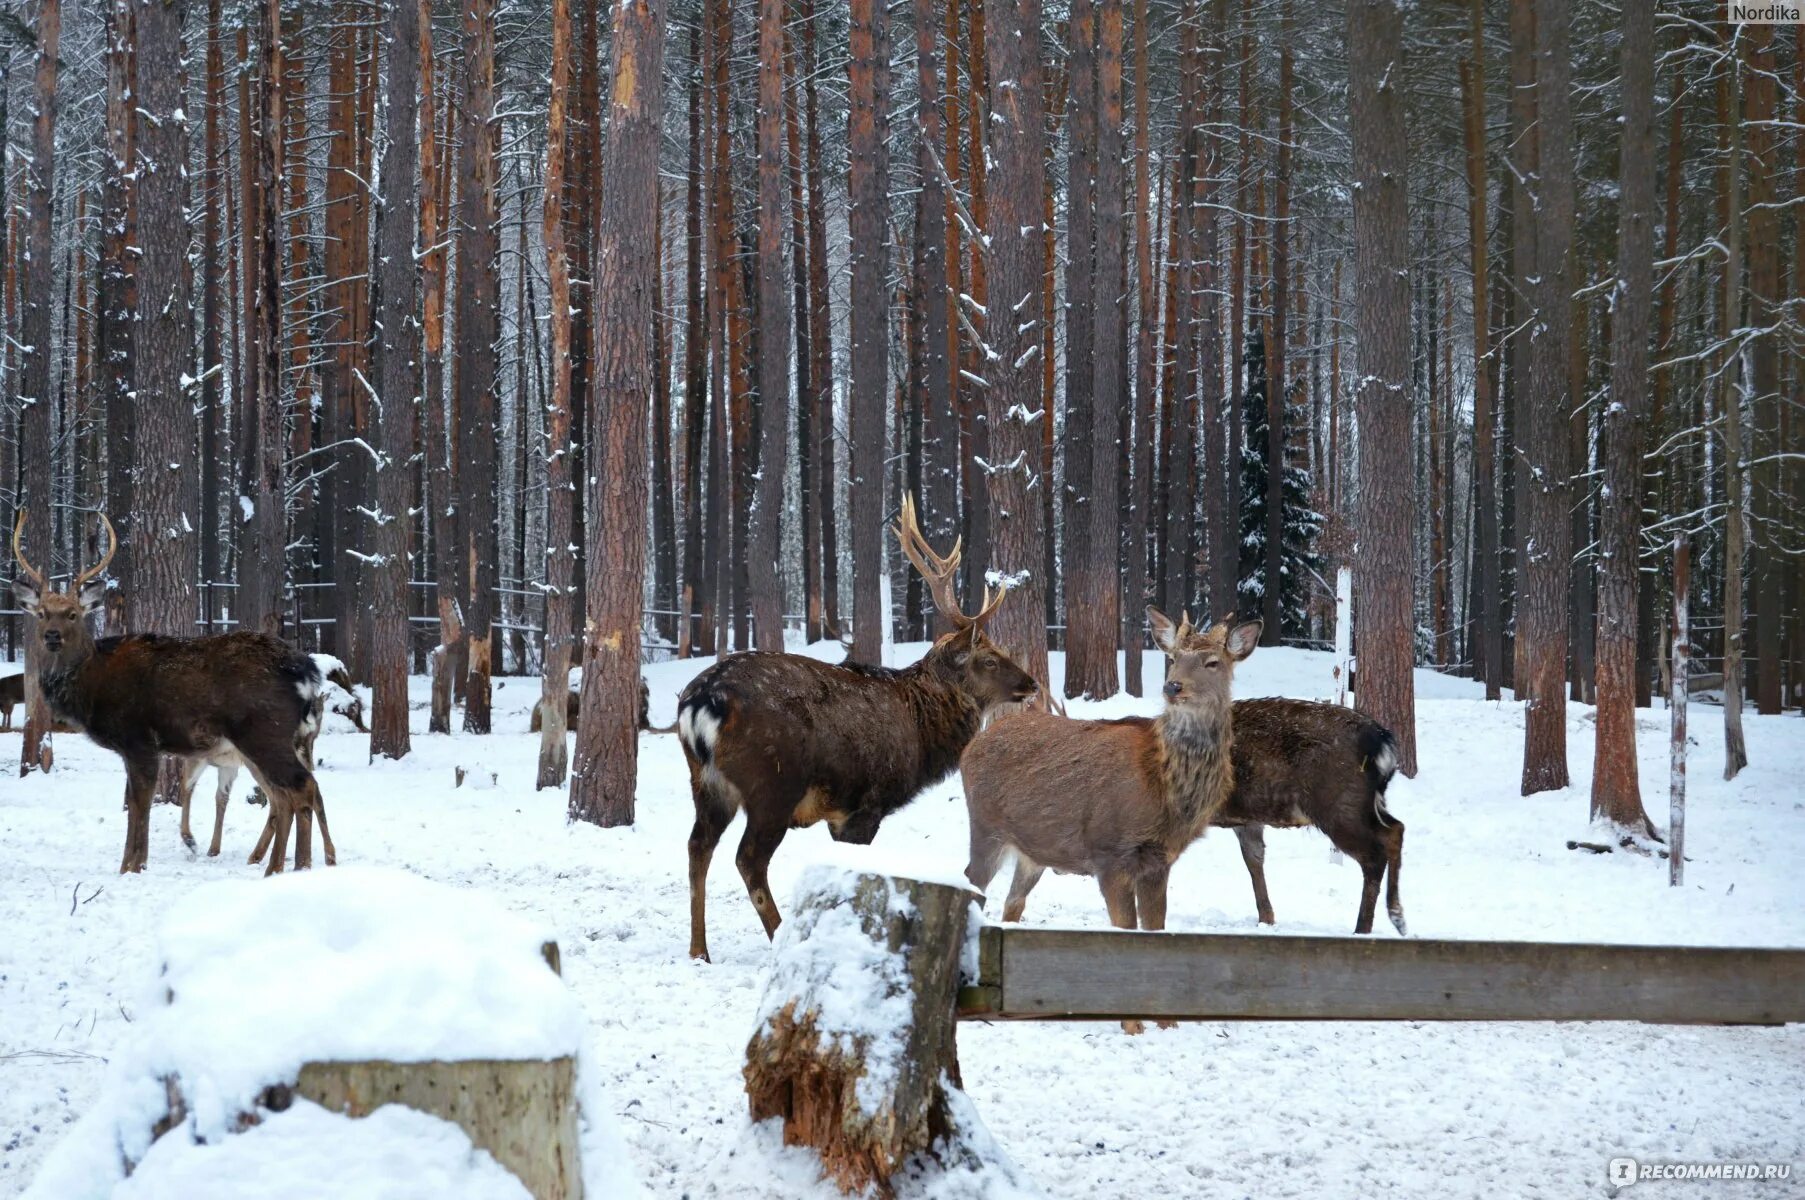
(605, 774)
(1547, 532)
(1654, 474)
(212, 184)
(119, 296)
(821, 372)
(1082, 588)
(1134, 582)
(1736, 755)
(1277, 397)
(400, 388)
(695, 365)
(1766, 301)
(35, 352)
(868, 222)
(553, 710)
(933, 318)
(1016, 143)
(774, 344)
(1109, 343)
(441, 483)
(478, 315)
(1486, 645)
(262, 558)
(162, 587)
(1384, 570)
(1616, 791)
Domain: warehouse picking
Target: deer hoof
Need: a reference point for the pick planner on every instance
(1133, 1028)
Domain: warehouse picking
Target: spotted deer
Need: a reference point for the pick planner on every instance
(794, 741)
(242, 699)
(1120, 800)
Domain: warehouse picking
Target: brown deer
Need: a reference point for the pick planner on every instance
(12, 694)
(1289, 763)
(340, 698)
(239, 698)
(793, 740)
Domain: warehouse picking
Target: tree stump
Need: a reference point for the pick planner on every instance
(854, 1047)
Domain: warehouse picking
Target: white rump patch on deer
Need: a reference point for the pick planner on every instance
(698, 728)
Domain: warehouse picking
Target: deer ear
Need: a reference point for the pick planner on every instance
(1165, 635)
(27, 596)
(1243, 638)
(93, 595)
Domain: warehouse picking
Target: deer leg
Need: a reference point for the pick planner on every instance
(1150, 904)
(222, 795)
(319, 808)
(267, 836)
(712, 818)
(756, 848)
(1027, 874)
(140, 784)
(281, 818)
(1118, 894)
(1372, 867)
(191, 773)
(1394, 853)
(1253, 853)
(303, 809)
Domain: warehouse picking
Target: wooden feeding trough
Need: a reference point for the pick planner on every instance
(866, 1115)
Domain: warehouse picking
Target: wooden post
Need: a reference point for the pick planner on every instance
(854, 1045)
(1676, 710)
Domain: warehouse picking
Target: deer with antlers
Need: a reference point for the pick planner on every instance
(793, 741)
(234, 699)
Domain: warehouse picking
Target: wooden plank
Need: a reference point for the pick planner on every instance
(1057, 974)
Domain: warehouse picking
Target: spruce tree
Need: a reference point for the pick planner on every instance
(1299, 561)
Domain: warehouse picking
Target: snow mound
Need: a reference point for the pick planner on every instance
(395, 1153)
(826, 861)
(355, 963)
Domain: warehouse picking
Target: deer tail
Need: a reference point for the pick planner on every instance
(1379, 756)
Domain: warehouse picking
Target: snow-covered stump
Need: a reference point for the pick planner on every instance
(854, 1046)
(300, 1015)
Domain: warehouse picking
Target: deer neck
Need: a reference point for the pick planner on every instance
(1196, 765)
(60, 683)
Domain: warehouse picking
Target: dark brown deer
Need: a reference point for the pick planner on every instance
(793, 740)
(12, 694)
(238, 698)
(1292, 763)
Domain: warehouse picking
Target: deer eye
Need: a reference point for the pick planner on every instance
(1213, 663)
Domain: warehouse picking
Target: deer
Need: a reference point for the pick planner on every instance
(239, 699)
(1286, 763)
(12, 694)
(794, 741)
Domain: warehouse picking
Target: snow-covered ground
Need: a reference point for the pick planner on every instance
(1230, 1110)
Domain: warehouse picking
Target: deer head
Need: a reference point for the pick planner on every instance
(61, 617)
(1202, 670)
(968, 659)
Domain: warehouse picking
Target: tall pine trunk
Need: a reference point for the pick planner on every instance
(399, 390)
(1015, 266)
(1384, 568)
(1616, 790)
(868, 222)
(766, 549)
(558, 480)
(606, 771)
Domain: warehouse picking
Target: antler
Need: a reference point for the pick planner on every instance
(936, 570)
(32, 573)
(97, 568)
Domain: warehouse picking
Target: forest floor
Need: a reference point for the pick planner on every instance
(1209, 1109)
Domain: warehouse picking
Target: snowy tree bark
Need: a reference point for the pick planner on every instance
(868, 222)
(1384, 567)
(605, 773)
